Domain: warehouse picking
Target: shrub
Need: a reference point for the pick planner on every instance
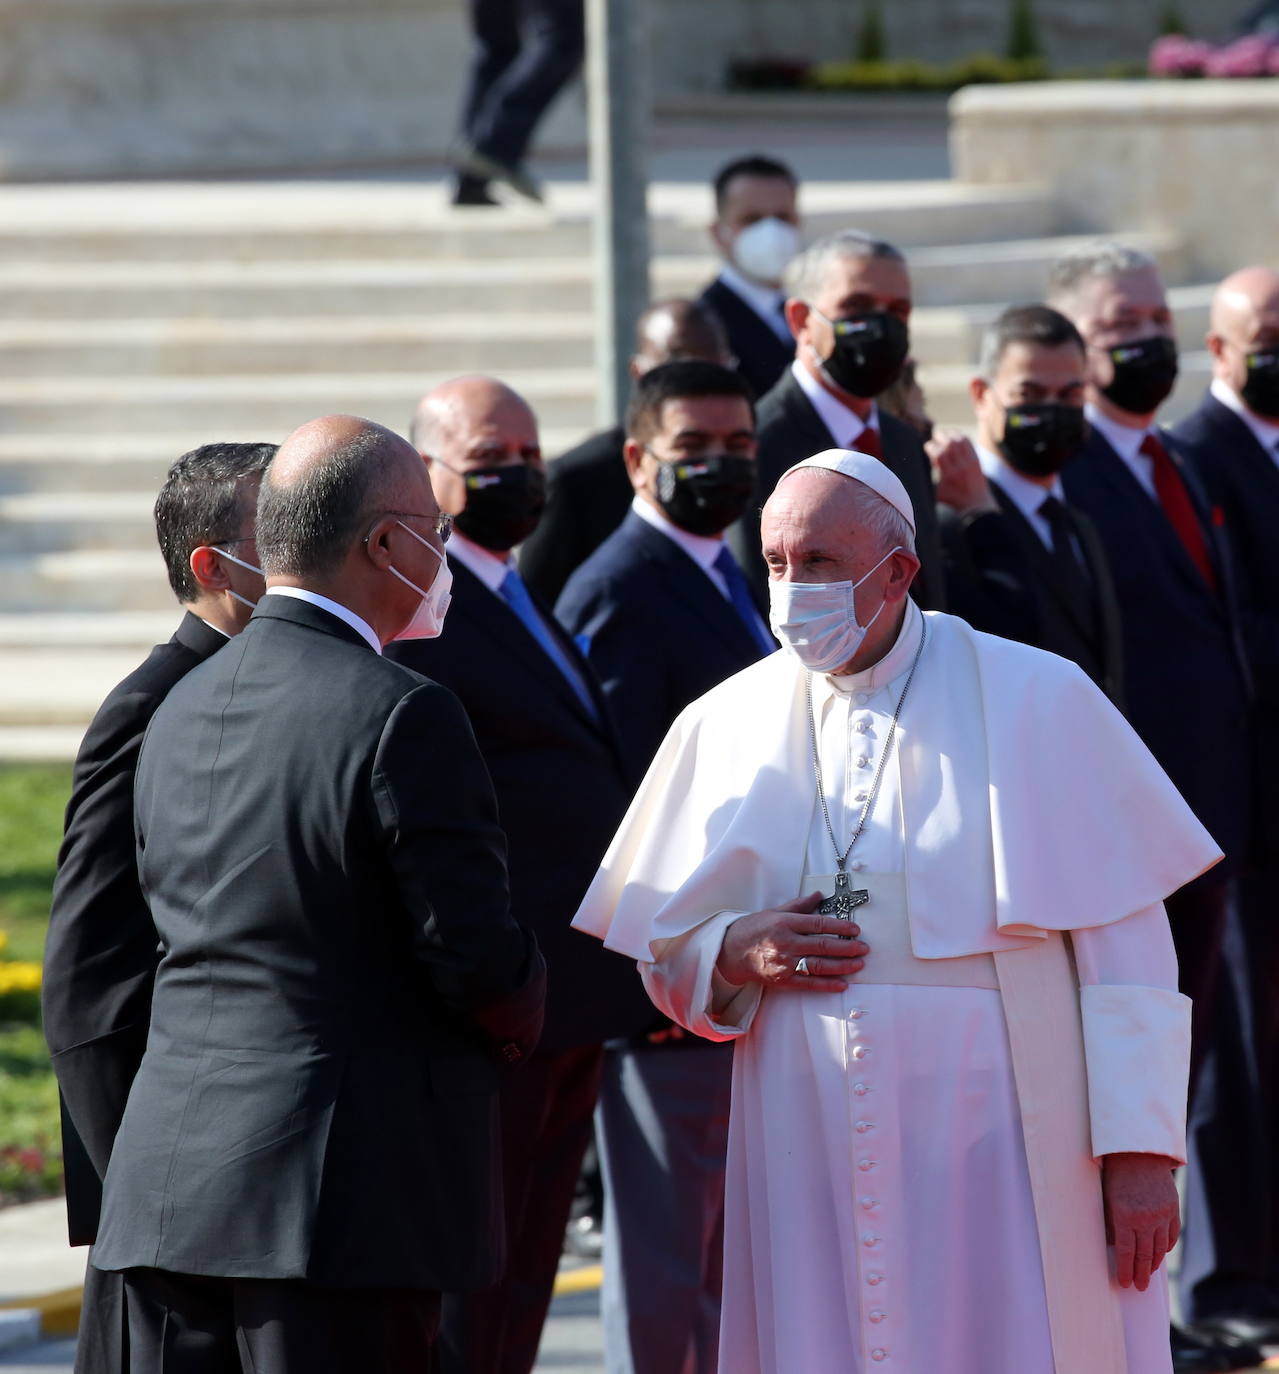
(1023, 32)
(871, 43)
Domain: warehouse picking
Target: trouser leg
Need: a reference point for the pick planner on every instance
(495, 30)
(553, 43)
(546, 1112)
(102, 1345)
(663, 1133)
(179, 1323)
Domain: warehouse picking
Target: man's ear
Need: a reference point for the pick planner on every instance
(1216, 344)
(796, 312)
(377, 545)
(633, 456)
(208, 569)
(977, 389)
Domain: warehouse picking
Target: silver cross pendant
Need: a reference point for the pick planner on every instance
(844, 900)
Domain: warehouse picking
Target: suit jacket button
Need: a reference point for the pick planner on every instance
(511, 1052)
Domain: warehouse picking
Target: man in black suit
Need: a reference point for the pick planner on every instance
(664, 613)
(100, 951)
(1020, 562)
(308, 1154)
(1184, 659)
(588, 492)
(1231, 1269)
(848, 306)
(756, 230)
(561, 790)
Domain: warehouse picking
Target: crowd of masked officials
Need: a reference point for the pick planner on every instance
(596, 596)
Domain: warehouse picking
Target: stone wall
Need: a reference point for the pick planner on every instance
(1197, 158)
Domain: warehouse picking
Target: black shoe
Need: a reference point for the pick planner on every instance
(1191, 1355)
(584, 1238)
(515, 175)
(472, 191)
(1236, 1328)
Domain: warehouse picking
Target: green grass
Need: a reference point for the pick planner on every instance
(31, 805)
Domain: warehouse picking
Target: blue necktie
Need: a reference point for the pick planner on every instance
(516, 595)
(739, 593)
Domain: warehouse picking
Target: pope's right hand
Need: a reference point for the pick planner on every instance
(766, 947)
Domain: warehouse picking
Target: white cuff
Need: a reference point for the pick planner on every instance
(683, 983)
(1137, 1049)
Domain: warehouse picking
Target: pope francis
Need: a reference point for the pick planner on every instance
(916, 873)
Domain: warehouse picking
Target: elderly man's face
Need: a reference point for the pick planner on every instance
(852, 289)
(1109, 311)
(1247, 324)
(500, 432)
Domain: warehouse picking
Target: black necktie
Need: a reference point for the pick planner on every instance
(1071, 574)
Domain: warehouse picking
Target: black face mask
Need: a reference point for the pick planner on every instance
(1039, 440)
(1261, 391)
(1145, 373)
(705, 495)
(503, 505)
(869, 352)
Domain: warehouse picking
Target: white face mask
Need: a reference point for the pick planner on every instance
(428, 619)
(763, 249)
(243, 600)
(817, 621)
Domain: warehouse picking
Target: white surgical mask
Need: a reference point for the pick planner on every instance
(428, 619)
(243, 600)
(763, 249)
(817, 621)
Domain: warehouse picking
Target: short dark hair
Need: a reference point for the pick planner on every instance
(306, 527)
(201, 503)
(679, 381)
(1028, 324)
(756, 165)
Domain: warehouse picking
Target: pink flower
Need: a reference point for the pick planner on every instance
(1245, 57)
(1178, 56)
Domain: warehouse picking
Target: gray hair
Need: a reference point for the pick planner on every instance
(806, 273)
(305, 528)
(873, 515)
(1100, 258)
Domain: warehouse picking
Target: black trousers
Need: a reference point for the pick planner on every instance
(546, 1110)
(185, 1324)
(525, 53)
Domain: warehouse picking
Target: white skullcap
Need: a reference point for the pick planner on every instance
(861, 467)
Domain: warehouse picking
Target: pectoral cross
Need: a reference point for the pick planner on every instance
(844, 900)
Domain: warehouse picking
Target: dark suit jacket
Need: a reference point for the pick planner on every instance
(101, 952)
(341, 978)
(1242, 480)
(1186, 682)
(561, 794)
(1001, 578)
(655, 629)
(790, 430)
(762, 355)
(587, 496)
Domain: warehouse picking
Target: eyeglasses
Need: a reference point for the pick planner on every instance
(442, 524)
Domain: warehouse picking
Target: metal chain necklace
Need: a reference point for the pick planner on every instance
(844, 901)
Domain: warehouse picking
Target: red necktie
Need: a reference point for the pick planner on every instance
(1178, 507)
(868, 442)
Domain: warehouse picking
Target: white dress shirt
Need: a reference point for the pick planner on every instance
(765, 301)
(1266, 432)
(348, 617)
(491, 568)
(845, 425)
(1127, 443)
(703, 549)
(1026, 495)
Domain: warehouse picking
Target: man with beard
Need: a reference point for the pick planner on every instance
(663, 613)
(543, 729)
(1174, 576)
(1019, 561)
(848, 306)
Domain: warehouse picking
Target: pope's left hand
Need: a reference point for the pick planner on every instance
(1143, 1220)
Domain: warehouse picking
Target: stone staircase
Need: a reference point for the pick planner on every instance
(137, 322)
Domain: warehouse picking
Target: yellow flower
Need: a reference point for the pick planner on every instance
(19, 977)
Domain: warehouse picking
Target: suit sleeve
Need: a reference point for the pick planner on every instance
(439, 822)
(987, 581)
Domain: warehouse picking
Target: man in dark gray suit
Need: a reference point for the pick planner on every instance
(308, 1154)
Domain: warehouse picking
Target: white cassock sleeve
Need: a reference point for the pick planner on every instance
(1136, 1035)
(684, 985)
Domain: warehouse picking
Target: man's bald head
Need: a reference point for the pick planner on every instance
(328, 479)
(1243, 337)
(448, 415)
(678, 330)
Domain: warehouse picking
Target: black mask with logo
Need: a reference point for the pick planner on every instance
(705, 495)
(503, 505)
(1145, 374)
(1261, 390)
(1039, 440)
(869, 352)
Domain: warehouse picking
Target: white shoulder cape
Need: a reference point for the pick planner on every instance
(1029, 805)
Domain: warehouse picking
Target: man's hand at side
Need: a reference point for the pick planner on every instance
(1142, 1217)
(766, 946)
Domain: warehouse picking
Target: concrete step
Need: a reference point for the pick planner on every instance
(286, 221)
(954, 274)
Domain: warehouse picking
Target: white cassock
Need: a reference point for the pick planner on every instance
(881, 1213)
